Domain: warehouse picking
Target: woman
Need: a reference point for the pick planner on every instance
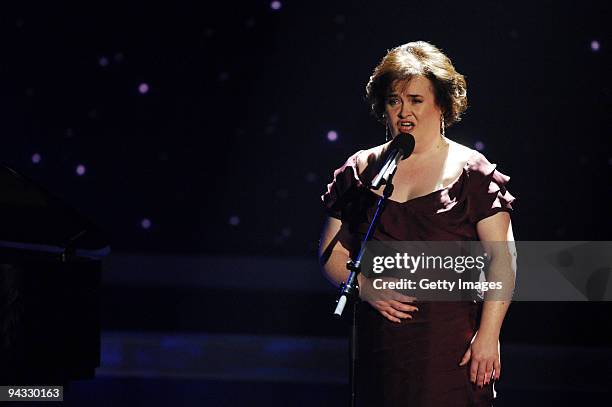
(417, 353)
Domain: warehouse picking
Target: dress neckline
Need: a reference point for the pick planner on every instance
(464, 171)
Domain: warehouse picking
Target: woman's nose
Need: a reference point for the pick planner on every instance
(403, 111)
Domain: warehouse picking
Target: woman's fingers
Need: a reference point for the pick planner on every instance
(488, 372)
(497, 367)
(466, 357)
(484, 370)
(393, 310)
(402, 307)
(389, 316)
(401, 297)
(474, 371)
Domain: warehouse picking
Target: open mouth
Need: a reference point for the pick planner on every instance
(406, 126)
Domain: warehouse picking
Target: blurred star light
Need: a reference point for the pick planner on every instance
(145, 223)
(332, 135)
(103, 61)
(276, 5)
(143, 88)
(234, 220)
(479, 145)
(80, 170)
(594, 45)
(311, 177)
(36, 158)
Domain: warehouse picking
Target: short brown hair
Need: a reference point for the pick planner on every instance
(419, 58)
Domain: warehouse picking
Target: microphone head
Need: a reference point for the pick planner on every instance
(405, 143)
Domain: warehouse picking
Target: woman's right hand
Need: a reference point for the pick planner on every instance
(391, 304)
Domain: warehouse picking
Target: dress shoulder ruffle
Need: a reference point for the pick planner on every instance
(342, 188)
(487, 192)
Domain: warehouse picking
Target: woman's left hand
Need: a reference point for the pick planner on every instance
(484, 354)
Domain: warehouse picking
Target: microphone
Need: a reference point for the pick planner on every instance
(400, 148)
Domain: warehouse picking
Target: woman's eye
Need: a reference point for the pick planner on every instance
(392, 102)
(417, 101)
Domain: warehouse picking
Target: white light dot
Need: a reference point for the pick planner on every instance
(276, 5)
(332, 135)
(234, 220)
(223, 76)
(145, 223)
(143, 88)
(595, 45)
(479, 145)
(610, 161)
(103, 61)
(80, 170)
(36, 158)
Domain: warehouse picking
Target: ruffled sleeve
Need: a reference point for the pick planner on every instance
(343, 187)
(488, 194)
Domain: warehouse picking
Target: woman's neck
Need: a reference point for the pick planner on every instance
(429, 145)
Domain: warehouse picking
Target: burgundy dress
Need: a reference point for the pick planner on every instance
(416, 362)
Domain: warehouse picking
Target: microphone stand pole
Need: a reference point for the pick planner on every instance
(349, 289)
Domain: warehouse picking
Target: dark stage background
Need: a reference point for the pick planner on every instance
(201, 135)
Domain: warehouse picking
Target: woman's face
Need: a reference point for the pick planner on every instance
(411, 108)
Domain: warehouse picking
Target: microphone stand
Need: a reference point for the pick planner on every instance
(349, 289)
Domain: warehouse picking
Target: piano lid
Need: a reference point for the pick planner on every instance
(33, 219)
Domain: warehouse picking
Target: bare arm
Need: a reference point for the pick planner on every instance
(498, 228)
(335, 248)
(484, 349)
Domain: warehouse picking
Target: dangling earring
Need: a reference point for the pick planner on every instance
(387, 137)
(442, 126)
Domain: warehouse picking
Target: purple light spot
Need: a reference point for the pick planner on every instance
(595, 46)
(479, 145)
(276, 5)
(311, 177)
(36, 158)
(223, 76)
(610, 161)
(145, 223)
(103, 61)
(234, 220)
(143, 88)
(286, 232)
(332, 135)
(80, 170)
